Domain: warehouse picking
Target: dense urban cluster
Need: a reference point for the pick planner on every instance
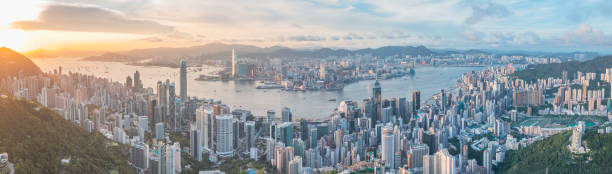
(465, 129)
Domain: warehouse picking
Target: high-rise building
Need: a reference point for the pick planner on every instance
(388, 146)
(183, 80)
(195, 144)
(376, 93)
(416, 101)
(417, 152)
(271, 116)
(286, 115)
(175, 120)
(286, 133)
(295, 165)
(444, 163)
(204, 123)
(139, 156)
(486, 161)
(225, 131)
(234, 63)
(159, 131)
(250, 134)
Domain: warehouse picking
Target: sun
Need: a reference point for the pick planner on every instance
(13, 39)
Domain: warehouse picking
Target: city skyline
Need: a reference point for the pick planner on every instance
(456, 24)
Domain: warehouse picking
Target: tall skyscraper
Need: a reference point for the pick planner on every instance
(195, 144)
(376, 93)
(286, 115)
(225, 131)
(416, 101)
(159, 131)
(250, 134)
(175, 120)
(204, 116)
(444, 163)
(234, 63)
(183, 80)
(388, 146)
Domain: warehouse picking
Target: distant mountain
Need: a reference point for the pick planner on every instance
(12, 62)
(37, 138)
(220, 50)
(43, 53)
(542, 71)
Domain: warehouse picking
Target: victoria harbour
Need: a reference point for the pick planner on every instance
(244, 95)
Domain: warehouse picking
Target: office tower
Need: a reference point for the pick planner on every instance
(286, 133)
(195, 144)
(376, 93)
(386, 115)
(183, 80)
(271, 116)
(401, 109)
(250, 134)
(313, 138)
(416, 101)
(128, 82)
(286, 115)
(143, 123)
(175, 120)
(162, 100)
(159, 131)
(155, 166)
(388, 145)
(234, 63)
(417, 152)
(139, 156)
(295, 165)
(137, 81)
(225, 133)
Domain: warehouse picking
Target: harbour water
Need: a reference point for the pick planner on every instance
(244, 95)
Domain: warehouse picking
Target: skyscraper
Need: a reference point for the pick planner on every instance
(286, 115)
(388, 145)
(195, 144)
(376, 93)
(174, 119)
(234, 63)
(183, 80)
(225, 132)
(416, 101)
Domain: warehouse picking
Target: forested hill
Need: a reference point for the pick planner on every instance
(37, 138)
(540, 71)
(12, 62)
(552, 154)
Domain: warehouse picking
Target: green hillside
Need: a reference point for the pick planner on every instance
(11, 63)
(37, 138)
(552, 153)
(540, 71)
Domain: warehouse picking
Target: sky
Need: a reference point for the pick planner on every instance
(112, 25)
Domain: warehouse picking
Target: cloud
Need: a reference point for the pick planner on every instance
(150, 39)
(490, 10)
(300, 38)
(587, 35)
(352, 36)
(64, 17)
(472, 35)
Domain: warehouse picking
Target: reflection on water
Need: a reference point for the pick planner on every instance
(242, 94)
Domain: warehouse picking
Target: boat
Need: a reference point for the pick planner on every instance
(332, 99)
